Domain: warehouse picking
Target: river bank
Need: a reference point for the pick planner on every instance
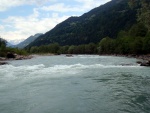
(143, 60)
(11, 56)
(3, 60)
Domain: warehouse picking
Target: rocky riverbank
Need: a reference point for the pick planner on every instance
(11, 56)
(145, 60)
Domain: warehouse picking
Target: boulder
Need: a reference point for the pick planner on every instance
(139, 62)
(69, 55)
(10, 55)
(145, 63)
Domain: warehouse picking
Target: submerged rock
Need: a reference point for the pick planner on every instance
(69, 55)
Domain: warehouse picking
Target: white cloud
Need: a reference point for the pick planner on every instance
(96, 2)
(60, 7)
(24, 27)
(1, 28)
(84, 6)
(6, 4)
(89, 4)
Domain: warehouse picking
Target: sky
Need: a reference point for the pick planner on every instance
(20, 19)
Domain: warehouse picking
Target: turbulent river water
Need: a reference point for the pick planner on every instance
(78, 84)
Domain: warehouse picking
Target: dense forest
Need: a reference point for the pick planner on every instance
(134, 40)
(137, 39)
(57, 49)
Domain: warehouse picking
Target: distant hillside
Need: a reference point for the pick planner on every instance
(28, 41)
(2, 40)
(6, 42)
(9, 44)
(105, 20)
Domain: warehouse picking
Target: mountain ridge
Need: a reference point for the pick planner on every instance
(28, 41)
(105, 20)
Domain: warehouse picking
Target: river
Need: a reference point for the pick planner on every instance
(78, 84)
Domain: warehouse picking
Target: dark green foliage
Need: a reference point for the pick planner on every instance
(144, 13)
(106, 46)
(63, 50)
(51, 48)
(146, 44)
(2, 47)
(143, 7)
(132, 42)
(138, 30)
(57, 49)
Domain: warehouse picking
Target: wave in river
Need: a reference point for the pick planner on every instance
(42, 69)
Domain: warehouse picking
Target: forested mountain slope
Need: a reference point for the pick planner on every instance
(105, 20)
(28, 41)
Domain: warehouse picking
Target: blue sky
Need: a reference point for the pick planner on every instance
(20, 19)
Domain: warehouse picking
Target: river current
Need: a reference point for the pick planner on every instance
(78, 84)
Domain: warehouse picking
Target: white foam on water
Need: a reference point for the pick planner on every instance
(53, 71)
(85, 56)
(18, 71)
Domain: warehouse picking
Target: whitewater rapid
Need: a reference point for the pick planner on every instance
(56, 70)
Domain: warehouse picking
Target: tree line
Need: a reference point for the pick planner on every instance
(55, 48)
(134, 41)
(137, 39)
